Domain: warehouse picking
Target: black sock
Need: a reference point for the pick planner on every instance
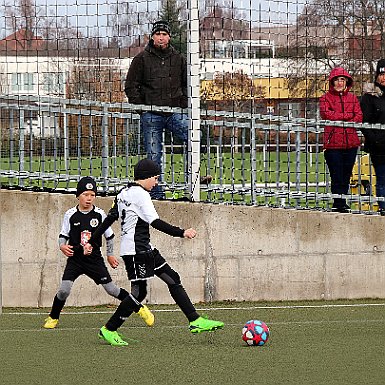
(57, 307)
(179, 295)
(122, 294)
(124, 310)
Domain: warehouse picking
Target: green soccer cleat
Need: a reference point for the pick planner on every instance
(50, 323)
(203, 324)
(146, 315)
(112, 338)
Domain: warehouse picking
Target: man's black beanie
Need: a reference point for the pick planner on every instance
(161, 25)
(146, 168)
(85, 184)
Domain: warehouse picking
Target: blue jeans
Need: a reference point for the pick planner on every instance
(379, 169)
(340, 164)
(152, 126)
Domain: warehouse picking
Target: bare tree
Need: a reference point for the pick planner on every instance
(349, 33)
(50, 33)
(23, 16)
(236, 88)
(122, 23)
(95, 80)
(222, 22)
(232, 91)
(60, 36)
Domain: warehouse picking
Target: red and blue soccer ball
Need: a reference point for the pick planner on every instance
(255, 333)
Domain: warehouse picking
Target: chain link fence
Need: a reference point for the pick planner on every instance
(256, 71)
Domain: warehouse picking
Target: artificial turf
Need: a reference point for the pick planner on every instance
(310, 343)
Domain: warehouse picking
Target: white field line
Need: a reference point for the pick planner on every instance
(227, 325)
(294, 307)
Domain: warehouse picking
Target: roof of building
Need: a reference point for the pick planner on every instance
(21, 40)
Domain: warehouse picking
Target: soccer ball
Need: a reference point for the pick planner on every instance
(255, 333)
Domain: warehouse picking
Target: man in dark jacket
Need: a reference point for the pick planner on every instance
(158, 77)
(373, 109)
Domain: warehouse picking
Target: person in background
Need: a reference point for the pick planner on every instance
(373, 110)
(340, 143)
(158, 77)
(79, 223)
(135, 210)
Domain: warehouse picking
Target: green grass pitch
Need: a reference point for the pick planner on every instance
(310, 343)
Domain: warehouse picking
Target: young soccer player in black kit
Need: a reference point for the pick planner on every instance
(79, 224)
(136, 211)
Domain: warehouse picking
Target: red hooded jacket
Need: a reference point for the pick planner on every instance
(341, 106)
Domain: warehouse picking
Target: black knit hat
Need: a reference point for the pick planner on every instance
(86, 184)
(161, 25)
(146, 168)
(380, 67)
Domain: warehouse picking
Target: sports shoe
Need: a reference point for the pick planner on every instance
(146, 315)
(50, 323)
(112, 338)
(203, 324)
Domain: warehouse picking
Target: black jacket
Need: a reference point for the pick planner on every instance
(373, 110)
(157, 77)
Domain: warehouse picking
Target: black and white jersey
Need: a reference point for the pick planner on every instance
(78, 227)
(134, 207)
(136, 211)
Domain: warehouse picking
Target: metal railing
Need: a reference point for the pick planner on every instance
(48, 144)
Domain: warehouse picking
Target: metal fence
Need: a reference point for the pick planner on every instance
(255, 73)
(253, 159)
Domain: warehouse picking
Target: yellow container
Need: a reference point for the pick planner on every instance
(363, 182)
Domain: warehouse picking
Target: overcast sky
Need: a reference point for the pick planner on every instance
(260, 11)
(91, 15)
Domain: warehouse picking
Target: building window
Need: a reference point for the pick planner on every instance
(22, 82)
(54, 83)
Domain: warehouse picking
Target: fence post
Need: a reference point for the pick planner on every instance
(1, 275)
(298, 162)
(66, 149)
(193, 91)
(253, 156)
(105, 149)
(21, 145)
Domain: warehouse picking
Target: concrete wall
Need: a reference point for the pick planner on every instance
(241, 253)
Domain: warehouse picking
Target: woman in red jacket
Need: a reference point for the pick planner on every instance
(340, 143)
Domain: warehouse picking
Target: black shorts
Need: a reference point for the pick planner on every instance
(143, 266)
(95, 268)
